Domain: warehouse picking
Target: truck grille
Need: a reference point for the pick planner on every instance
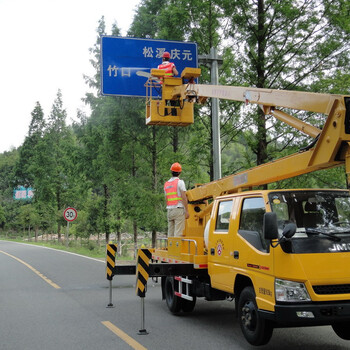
(332, 289)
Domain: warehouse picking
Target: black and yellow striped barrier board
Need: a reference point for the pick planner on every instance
(142, 273)
(111, 251)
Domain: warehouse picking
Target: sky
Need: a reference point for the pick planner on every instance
(45, 47)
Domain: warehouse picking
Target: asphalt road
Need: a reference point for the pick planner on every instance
(51, 299)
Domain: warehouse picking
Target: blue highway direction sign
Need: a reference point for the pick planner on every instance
(127, 62)
(22, 192)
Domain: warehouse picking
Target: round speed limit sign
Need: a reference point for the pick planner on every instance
(70, 214)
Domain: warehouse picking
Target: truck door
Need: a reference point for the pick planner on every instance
(251, 222)
(255, 255)
(221, 245)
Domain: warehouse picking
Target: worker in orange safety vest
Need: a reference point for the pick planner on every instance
(177, 204)
(169, 67)
(170, 71)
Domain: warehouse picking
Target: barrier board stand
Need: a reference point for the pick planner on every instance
(142, 273)
(110, 304)
(111, 251)
(142, 331)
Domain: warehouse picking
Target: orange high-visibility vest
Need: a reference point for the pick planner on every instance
(168, 67)
(170, 189)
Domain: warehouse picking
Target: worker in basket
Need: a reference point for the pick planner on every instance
(169, 67)
(170, 71)
(177, 205)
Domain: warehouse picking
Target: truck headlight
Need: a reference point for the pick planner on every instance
(289, 291)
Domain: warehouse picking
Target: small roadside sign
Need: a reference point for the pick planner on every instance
(70, 214)
(22, 192)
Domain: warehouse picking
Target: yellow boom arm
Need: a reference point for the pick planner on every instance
(331, 149)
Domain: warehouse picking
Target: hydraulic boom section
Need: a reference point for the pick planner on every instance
(329, 149)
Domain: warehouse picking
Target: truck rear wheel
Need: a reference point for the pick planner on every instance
(256, 330)
(342, 330)
(173, 302)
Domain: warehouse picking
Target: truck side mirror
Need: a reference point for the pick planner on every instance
(270, 229)
(289, 230)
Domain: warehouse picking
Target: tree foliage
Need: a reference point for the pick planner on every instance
(111, 167)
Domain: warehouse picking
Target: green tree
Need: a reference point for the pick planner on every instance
(283, 45)
(24, 175)
(101, 138)
(28, 217)
(8, 163)
(55, 183)
(2, 217)
(197, 21)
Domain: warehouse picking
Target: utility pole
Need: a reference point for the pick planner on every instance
(213, 61)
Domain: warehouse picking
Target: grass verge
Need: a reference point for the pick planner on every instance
(90, 249)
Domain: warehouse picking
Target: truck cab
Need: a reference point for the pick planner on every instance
(294, 279)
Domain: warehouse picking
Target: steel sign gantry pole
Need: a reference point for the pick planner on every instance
(213, 60)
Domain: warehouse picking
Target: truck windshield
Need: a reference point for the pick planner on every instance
(314, 212)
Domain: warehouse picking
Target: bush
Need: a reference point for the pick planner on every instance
(92, 245)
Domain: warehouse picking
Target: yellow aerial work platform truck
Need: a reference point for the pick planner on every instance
(283, 255)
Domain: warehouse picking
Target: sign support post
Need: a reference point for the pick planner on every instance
(70, 214)
(67, 234)
(213, 60)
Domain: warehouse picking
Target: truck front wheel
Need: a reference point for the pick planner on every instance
(256, 330)
(173, 302)
(342, 330)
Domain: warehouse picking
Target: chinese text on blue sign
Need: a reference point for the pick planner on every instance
(126, 62)
(22, 192)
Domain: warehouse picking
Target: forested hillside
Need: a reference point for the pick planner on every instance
(111, 167)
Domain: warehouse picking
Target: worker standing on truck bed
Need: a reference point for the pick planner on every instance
(177, 205)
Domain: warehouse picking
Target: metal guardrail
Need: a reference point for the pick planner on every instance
(164, 244)
(189, 245)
